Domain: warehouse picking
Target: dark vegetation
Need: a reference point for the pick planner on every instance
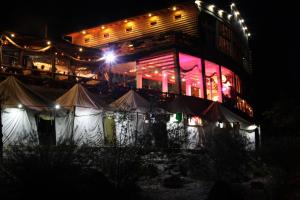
(225, 162)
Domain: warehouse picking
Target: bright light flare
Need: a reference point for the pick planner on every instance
(57, 106)
(110, 57)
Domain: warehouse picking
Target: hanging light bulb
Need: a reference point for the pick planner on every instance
(211, 8)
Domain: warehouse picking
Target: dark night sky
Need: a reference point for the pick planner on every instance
(274, 52)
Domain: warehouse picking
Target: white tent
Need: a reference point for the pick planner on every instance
(130, 119)
(221, 116)
(80, 118)
(19, 104)
(188, 107)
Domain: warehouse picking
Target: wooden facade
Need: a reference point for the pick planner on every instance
(182, 18)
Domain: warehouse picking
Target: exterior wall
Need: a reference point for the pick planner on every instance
(141, 26)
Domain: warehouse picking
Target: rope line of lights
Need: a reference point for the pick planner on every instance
(43, 49)
(211, 8)
(108, 57)
(81, 60)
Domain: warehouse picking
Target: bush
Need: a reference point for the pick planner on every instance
(69, 171)
(229, 154)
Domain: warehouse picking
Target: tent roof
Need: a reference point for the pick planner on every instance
(131, 101)
(13, 92)
(217, 112)
(188, 105)
(78, 96)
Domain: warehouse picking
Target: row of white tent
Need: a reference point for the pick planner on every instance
(83, 117)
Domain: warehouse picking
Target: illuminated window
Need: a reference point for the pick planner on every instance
(153, 23)
(228, 85)
(213, 81)
(129, 29)
(86, 40)
(157, 73)
(238, 84)
(177, 16)
(106, 35)
(191, 75)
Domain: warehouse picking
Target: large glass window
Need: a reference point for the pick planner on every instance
(191, 75)
(124, 74)
(228, 86)
(213, 81)
(157, 73)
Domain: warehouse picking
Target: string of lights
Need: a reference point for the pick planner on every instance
(27, 48)
(109, 57)
(225, 15)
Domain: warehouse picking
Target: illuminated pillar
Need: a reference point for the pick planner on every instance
(200, 83)
(188, 86)
(139, 80)
(219, 84)
(139, 77)
(164, 81)
(204, 94)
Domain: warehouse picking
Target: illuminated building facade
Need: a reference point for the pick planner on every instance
(192, 48)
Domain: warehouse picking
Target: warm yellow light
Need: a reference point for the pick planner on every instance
(83, 32)
(232, 5)
(48, 42)
(236, 13)
(155, 72)
(125, 20)
(229, 16)
(80, 49)
(149, 15)
(12, 35)
(174, 8)
(130, 45)
(102, 27)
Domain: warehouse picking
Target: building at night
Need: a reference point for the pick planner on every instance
(193, 49)
(180, 59)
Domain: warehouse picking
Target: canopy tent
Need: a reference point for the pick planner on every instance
(80, 120)
(218, 113)
(131, 102)
(130, 119)
(18, 106)
(14, 93)
(189, 106)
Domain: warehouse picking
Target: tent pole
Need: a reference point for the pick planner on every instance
(74, 115)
